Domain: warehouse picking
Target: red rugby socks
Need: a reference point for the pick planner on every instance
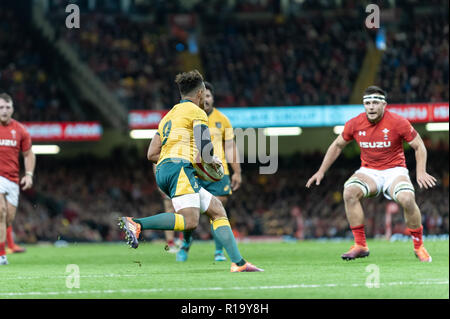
(2, 249)
(9, 237)
(360, 235)
(416, 235)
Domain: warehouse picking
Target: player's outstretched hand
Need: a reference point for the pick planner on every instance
(317, 177)
(26, 182)
(425, 180)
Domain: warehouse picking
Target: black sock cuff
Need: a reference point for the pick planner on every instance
(241, 263)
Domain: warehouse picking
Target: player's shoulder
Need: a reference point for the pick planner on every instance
(217, 113)
(188, 108)
(218, 116)
(18, 126)
(392, 116)
(358, 119)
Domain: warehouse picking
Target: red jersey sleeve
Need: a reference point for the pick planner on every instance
(347, 134)
(25, 143)
(406, 130)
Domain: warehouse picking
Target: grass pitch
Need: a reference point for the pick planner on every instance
(308, 269)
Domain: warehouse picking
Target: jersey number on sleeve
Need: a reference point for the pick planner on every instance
(166, 131)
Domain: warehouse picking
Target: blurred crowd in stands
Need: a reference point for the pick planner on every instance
(26, 73)
(415, 66)
(304, 59)
(310, 56)
(307, 61)
(136, 60)
(80, 199)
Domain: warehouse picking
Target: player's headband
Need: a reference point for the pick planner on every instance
(374, 97)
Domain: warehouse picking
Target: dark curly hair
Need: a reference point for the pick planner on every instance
(188, 81)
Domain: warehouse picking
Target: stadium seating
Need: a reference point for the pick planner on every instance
(135, 59)
(298, 61)
(303, 61)
(27, 75)
(415, 64)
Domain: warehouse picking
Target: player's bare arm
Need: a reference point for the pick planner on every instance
(424, 179)
(30, 162)
(331, 155)
(232, 156)
(154, 149)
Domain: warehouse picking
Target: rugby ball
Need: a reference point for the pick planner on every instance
(208, 172)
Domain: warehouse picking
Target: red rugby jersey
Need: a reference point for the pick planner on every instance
(14, 138)
(381, 143)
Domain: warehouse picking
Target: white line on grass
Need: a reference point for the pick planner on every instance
(65, 276)
(155, 290)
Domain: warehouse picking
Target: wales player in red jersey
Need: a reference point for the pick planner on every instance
(380, 135)
(14, 139)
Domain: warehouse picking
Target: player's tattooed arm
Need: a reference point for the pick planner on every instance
(424, 180)
(203, 142)
(333, 152)
(154, 149)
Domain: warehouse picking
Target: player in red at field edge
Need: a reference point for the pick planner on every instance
(14, 138)
(380, 135)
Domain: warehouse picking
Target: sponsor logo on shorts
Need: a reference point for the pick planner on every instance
(375, 144)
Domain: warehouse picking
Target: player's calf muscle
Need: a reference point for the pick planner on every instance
(2, 214)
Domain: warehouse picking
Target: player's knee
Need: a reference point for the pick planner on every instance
(407, 201)
(216, 209)
(190, 222)
(352, 195)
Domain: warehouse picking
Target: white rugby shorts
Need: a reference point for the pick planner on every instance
(10, 189)
(201, 200)
(384, 178)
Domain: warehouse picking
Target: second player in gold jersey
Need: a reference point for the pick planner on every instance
(221, 131)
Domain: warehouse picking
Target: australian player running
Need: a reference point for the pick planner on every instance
(380, 135)
(14, 139)
(222, 137)
(184, 128)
